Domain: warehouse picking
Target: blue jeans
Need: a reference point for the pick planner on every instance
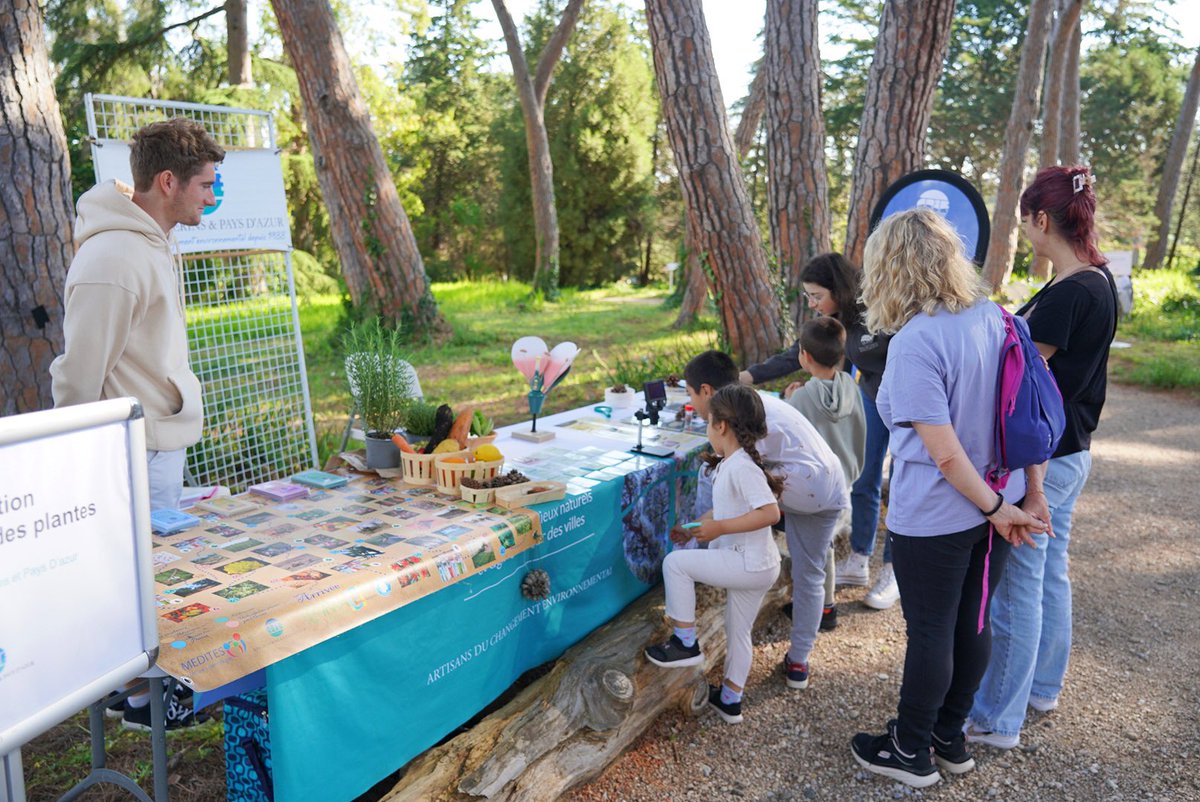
(941, 589)
(1031, 614)
(864, 495)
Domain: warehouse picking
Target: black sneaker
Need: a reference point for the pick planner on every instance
(115, 708)
(732, 713)
(178, 716)
(673, 654)
(952, 755)
(795, 673)
(829, 618)
(880, 754)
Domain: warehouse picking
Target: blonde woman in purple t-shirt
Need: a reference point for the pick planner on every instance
(937, 398)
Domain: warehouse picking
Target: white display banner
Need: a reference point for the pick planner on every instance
(69, 580)
(251, 211)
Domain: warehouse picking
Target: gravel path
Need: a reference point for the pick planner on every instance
(1128, 727)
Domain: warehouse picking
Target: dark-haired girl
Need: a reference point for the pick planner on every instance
(1072, 321)
(741, 556)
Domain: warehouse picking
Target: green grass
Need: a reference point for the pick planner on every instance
(475, 367)
(1164, 332)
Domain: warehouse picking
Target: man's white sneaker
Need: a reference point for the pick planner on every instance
(886, 592)
(853, 570)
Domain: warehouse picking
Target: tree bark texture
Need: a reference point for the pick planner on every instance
(720, 221)
(1183, 204)
(237, 44)
(1067, 14)
(753, 110)
(372, 234)
(36, 218)
(1068, 141)
(997, 264)
(696, 290)
(566, 727)
(1172, 167)
(909, 53)
(532, 93)
(798, 188)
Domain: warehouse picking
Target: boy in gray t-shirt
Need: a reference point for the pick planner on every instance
(831, 402)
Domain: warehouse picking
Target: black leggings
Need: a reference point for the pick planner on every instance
(941, 586)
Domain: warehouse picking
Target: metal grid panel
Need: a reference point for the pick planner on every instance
(243, 325)
(242, 338)
(111, 117)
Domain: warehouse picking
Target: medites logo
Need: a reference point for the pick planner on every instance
(235, 647)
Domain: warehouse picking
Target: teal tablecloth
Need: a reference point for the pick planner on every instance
(348, 712)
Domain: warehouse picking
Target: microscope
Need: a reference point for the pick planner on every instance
(655, 393)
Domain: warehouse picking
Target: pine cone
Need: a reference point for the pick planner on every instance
(536, 585)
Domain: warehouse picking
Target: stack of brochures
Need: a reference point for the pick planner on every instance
(169, 522)
(227, 506)
(321, 479)
(279, 490)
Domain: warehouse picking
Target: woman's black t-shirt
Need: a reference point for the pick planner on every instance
(1078, 316)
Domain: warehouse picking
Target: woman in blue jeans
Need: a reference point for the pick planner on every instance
(937, 398)
(831, 288)
(1072, 321)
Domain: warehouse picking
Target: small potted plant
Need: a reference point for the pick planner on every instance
(623, 378)
(380, 380)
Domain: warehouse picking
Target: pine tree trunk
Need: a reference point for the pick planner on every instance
(1172, 166)
(531, 90)
(1066, 15)
(237, 44)
(720, 220)
(36, 219)
(798, 187)
(696, 290)
(1183, 205)
(1003, 245)
(1068, 141)
(909, 52)
(371, 232)
(752, 113)
(753, 109)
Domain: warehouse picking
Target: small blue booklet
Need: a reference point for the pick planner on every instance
(321, 479)
(169, 522)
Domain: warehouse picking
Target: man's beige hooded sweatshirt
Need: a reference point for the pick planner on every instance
(124, 328)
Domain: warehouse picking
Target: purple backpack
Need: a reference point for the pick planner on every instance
(1029, 407)
(1029, 416)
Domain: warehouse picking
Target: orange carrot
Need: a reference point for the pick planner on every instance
(402, 444)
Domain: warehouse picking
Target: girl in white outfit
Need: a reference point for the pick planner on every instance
(741, 555)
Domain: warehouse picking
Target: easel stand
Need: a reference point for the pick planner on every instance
(160, 685)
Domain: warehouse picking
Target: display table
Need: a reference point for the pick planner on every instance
(349, 708)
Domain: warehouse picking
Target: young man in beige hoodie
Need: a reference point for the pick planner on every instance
(124, 326)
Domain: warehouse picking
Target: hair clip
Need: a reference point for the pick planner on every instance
(1078, 182)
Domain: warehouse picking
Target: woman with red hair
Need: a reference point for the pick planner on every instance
(1072, 321)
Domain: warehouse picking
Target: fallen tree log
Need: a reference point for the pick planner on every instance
(566, 727)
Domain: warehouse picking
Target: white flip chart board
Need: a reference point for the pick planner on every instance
(76, 578)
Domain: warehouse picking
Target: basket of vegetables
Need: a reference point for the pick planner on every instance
(481, 431)
(447, 438)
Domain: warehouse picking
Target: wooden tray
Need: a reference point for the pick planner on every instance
(527, 493)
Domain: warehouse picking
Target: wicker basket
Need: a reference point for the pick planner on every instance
(448, 475)
(418, 468)
(478, 495)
